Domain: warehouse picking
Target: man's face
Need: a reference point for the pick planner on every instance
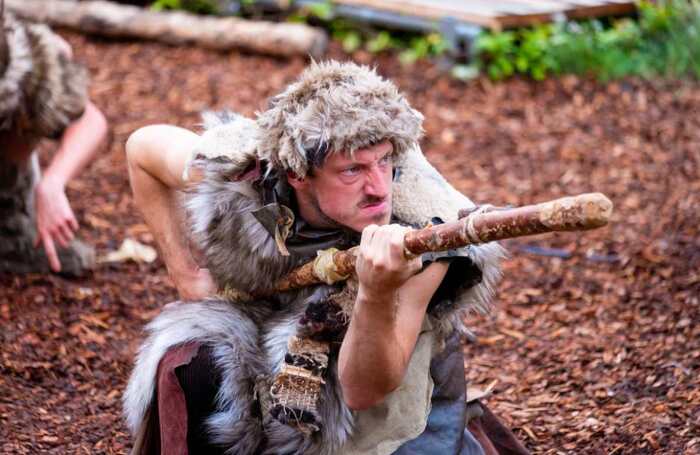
(349, 191)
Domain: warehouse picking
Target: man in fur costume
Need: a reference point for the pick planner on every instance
(43, 94)
(374, 366)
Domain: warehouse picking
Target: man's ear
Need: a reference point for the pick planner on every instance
(298, 183)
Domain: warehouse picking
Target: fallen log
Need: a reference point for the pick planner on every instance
(575, 213)
(178, 28)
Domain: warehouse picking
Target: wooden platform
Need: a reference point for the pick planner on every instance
(497, 14)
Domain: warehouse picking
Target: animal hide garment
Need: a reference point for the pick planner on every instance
(41, 89)
(253, 340)
(250, 338)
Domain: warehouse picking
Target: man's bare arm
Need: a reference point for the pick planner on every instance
(78, 146)
(387, 318)
(157, 156)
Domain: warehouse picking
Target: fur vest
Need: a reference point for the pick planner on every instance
(249, 338)
(41, 89)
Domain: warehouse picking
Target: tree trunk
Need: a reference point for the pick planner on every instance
(220, 33)
(18, 226)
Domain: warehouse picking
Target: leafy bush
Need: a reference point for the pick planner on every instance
(193, 6)
(663, 41)
(354, 36)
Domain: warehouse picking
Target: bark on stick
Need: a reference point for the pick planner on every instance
(220, 33)
(576, 213)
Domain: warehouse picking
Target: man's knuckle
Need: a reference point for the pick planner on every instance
(396, 244)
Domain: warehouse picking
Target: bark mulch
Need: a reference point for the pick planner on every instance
(595, 344)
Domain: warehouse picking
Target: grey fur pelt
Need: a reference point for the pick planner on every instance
(41, 89)
(242, 350)
(250, 338)
(243, 255)
(222, 223)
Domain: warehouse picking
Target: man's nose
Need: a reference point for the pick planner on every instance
(377, 182)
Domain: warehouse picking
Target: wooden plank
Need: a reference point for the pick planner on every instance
(609, 9)
(519, 6)
(588, 2)
(472, 10)
(484, 18)
(599, 2)
(423, 7)
(595, 9)
(498, 14)
(553, 6)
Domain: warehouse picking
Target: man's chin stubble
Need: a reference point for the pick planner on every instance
(380, 219)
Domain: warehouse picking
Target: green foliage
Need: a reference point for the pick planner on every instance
(346, 33)
(321, 11)
(193, 6)
(498, 50)
(382, 41)
(420, 47)
(663, 41)
(353, 36)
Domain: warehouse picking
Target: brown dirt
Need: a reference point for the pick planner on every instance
(595, 353)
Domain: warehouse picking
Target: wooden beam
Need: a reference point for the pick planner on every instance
(179, 28)
(498, 14)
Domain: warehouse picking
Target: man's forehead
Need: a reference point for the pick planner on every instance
(365, 155)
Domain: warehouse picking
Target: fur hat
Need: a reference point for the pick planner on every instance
(41, 89)
(335, 107)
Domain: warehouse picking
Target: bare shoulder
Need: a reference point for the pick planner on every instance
(161, 137)
(162, 151)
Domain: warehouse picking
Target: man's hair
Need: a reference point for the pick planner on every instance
(334, 107)
(316, 155)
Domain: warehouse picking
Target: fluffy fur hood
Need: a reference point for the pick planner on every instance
(41, 89)
(338, 107)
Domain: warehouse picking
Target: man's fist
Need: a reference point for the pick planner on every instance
(382, 267)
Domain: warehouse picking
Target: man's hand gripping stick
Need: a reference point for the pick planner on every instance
(576, 213)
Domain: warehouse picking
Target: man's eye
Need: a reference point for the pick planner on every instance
(351, 171)
(385, 160)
